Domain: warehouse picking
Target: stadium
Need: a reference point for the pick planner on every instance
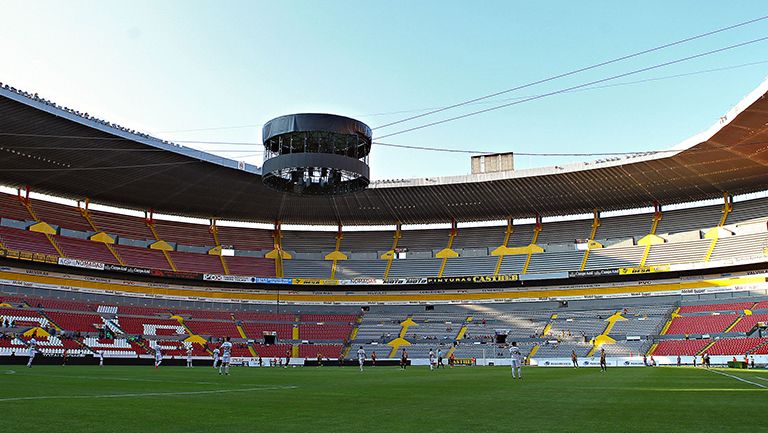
(129, 262)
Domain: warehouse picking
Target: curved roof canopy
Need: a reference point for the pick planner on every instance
(123, 169)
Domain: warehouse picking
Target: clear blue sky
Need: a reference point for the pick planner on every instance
(179, 65)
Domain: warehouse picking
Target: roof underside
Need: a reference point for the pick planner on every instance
(730, 157)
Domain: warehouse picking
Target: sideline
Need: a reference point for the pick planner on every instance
(149, 394)
(737, 378)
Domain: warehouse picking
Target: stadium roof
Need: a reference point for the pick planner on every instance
(125, 169)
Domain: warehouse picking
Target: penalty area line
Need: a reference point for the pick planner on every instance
(737, 378)
(149, 394)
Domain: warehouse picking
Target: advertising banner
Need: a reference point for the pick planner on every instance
(474, 279)
(77, 263)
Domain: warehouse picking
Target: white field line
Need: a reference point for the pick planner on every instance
(148, 394)
(738, 378)
(126, 379)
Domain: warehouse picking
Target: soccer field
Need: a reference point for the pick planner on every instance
(332, 399)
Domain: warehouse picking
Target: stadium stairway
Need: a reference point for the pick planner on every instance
(704, 350)
(603, 338)
(714, 233)
(651, 238)
(732, 325)
(41, 226)
(50, 321)
(241, 331)
(352, 336)
(161, 245)
(218, 248)
(100, 235)
(459, 336)
(389, 256)
(591, 242)
(675, 313)
(400, 340)
(548, 327)
(504, 244)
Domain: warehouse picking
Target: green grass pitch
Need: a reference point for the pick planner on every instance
(333, 399)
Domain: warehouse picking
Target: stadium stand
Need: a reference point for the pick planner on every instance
(681, 347)
(701, 324)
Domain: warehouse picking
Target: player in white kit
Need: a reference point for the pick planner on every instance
(32, 345)
(431, 359)
(101, 358)
(226, 349)
(516, 356)
(361, 357)
(189, 357)
(216, 353)
(158, 356)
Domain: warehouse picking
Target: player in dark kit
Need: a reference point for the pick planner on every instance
(603, 364)
(404, 359)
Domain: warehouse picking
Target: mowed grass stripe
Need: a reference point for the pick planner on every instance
(332, 399)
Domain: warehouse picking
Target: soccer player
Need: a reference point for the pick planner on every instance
(32, 346)
(216, 353)
(158, 356)
(226, 349)
(361, 357)
(516, 358)
(451, 360)
(574, 359)
(603, 364)
(287, 357)
(189, 357)
(679, 361)
(440, 358)
(404, 359)
(319, 359)
(373, 359)
(101, 358)
(431, 360)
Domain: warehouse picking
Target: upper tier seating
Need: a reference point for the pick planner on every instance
(24, 240)
(194, 262)
(122, 225)
(607, 258)
(61, 215)
(85, 250)
(142, 257)
(678, 252)
(472, 243)
(257, 266)
(740, 246)
(184, 233)
(246, 239)
(11, 207)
